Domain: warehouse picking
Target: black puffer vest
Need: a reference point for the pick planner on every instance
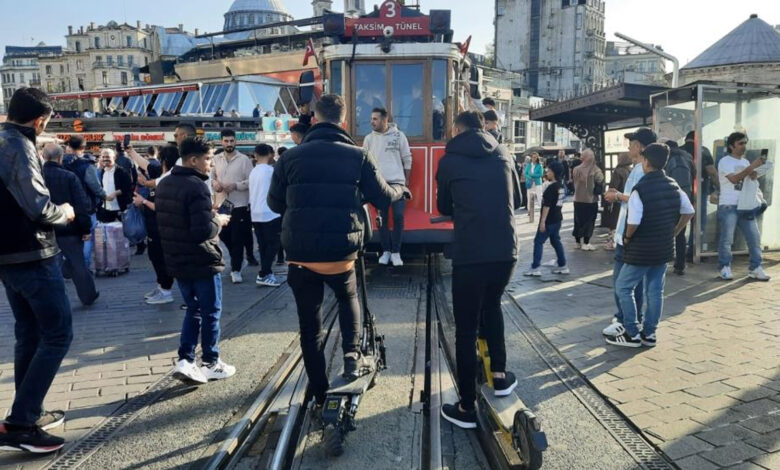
(653, 241)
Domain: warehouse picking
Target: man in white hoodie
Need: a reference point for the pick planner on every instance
(391, 149)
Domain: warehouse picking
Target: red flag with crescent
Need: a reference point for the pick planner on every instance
(464, 48)
(310, 52)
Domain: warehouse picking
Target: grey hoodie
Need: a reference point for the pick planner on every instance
(391, 150)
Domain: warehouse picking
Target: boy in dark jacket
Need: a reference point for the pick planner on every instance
(478, 187)
(658, 211)
(320, 187)
(188, 229)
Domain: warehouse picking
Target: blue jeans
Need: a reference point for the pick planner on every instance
(729, 220)
(90, 243)
(391, 241)
(639, 288)
(630, 276)
(553, 233)
(43, 330)
(204, 308)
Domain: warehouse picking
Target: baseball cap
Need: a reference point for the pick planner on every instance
(643, 135)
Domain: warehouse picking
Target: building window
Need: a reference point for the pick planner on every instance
(99, 60)
(62, 70)
(97, 43)
(251, 19)
(78, 46)
(124, 78)
(146, 60)
(120, 60)
(48, 70)
(129, 41)
(81, 84)
(105, 78)
(79, 64)
(130, 60)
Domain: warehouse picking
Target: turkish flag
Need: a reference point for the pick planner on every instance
(309, 53)
(464, 48)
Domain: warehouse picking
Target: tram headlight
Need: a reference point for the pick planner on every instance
(388, 31)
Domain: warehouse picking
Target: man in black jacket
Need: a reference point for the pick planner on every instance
(320, 187)
(658, 211)
(189, 229)
(478, 187)
(31, 275)
(65, 187)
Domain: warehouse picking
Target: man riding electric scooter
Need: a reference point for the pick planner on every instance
(479, 188)
(319, 187)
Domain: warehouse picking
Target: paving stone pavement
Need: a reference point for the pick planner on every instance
(121, 347)
(708, 395)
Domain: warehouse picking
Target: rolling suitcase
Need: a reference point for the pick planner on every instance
(111, 250)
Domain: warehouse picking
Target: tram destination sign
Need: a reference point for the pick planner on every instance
(392, 17)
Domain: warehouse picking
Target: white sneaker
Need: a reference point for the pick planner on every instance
(535, 272)
(726, 274)
(267, 281)
(217, 370)
(561, 270)
(187, 371)
(162, 297)
(395, 258)
(551, 263)
(152, 293)
(614, 329)
(588, 247)
(236, 277)
(385, 258)
(759, 274)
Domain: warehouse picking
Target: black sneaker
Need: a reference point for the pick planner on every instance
(648, 341)
(624, 340)
(51, 419)
(28, 439)
(462, 419)
(351, 365)
(505, 386)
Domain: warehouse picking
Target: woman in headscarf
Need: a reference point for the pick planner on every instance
(587, 178)
(611, 211)
(533, 182)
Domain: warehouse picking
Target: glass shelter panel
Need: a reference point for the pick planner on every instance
(370, 92)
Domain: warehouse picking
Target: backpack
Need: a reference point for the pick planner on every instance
(79, 167)
(679, 169)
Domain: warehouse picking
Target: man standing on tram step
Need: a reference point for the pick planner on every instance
(230, 180)
(319, 187)
(479, 188)
(658, 210)
(65, 187)
(188, 228)
(31, 275)
(637, 142)
(391, 149)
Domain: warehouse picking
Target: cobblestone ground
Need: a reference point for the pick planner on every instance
(709, 393)
(121, 347)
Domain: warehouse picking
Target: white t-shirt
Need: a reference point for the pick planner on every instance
(109, 187)
(636, 209)
(729, 192)
(259, 183)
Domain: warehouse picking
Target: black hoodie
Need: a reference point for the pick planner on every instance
(319, 187)
(478, 187)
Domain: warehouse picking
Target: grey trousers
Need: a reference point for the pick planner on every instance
(73, 266)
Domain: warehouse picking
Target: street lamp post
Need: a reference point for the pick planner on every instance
(656, 51)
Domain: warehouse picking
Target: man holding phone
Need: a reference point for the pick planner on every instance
(230, 180)
(733, 168)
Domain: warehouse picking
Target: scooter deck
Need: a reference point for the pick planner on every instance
(341, 386)
(504, 408)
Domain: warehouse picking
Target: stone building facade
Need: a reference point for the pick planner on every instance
(20, 68)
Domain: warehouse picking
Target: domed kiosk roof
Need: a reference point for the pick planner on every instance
(258, 5)
(754, 41)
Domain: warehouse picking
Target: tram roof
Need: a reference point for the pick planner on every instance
(408, 50)
(626, 104)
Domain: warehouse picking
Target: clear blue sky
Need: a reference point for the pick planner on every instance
(683, 27)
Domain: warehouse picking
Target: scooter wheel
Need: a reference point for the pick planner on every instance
(522, 435)
(334, 440)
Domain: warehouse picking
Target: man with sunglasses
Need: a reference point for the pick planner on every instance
(733, 168)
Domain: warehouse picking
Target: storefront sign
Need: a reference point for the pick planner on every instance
(390, 20)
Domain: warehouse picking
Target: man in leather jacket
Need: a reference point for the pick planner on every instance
(31, 274)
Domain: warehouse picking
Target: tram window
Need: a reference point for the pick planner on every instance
(370, 93)
(408, 107)
(337, 77)
(439, 106)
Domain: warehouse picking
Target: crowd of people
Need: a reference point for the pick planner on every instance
(310, 202)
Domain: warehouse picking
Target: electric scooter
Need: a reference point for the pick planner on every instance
(343, 397)
(513, 427)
